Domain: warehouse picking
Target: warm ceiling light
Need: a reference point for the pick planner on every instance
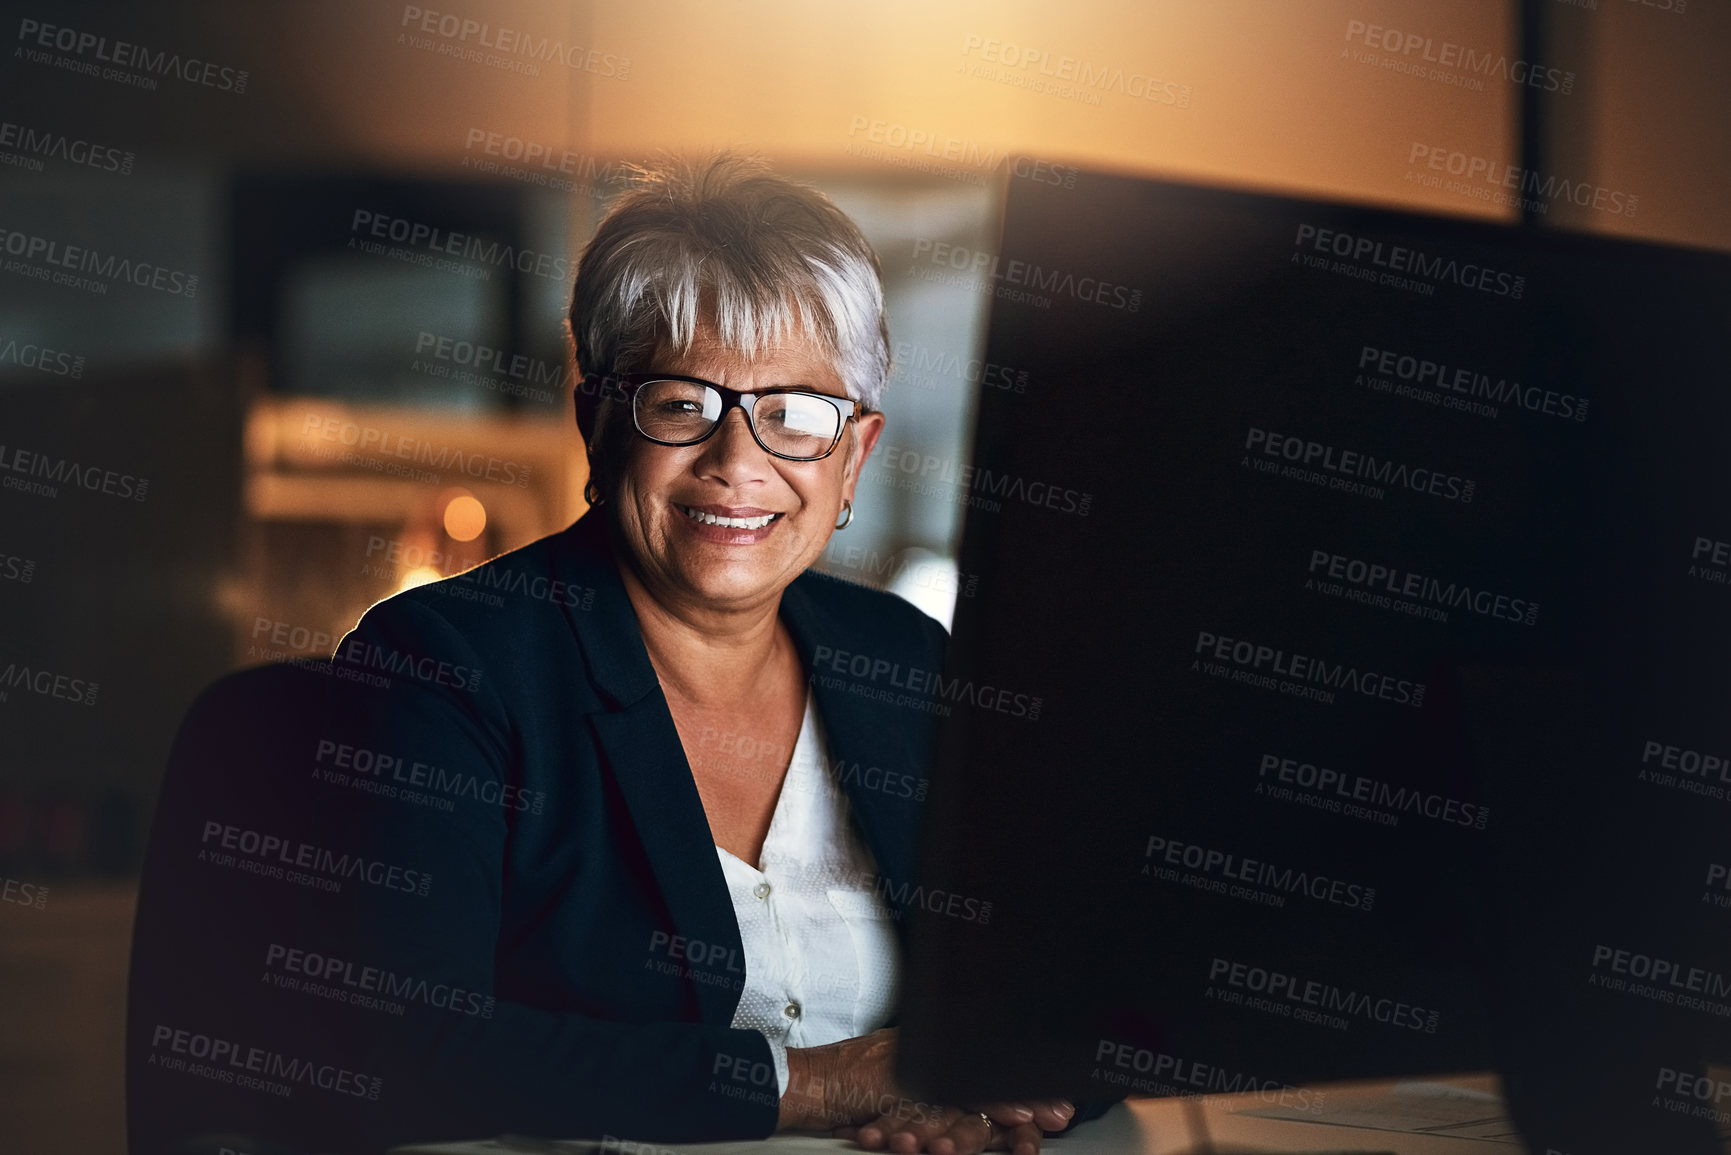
(465, 518)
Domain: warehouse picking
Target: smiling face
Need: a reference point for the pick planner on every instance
(691, 518)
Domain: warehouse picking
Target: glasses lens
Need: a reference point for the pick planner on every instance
(676, 411)
(797, 424)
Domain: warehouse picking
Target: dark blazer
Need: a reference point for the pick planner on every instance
(582, 918)
(500, 742)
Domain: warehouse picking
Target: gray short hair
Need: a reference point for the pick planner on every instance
(774, 258)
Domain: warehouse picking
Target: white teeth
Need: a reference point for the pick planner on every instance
(728, 522)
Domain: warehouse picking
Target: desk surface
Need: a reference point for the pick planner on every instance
(1455, 1116)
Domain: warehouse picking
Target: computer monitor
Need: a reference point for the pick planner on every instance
(1342, 690)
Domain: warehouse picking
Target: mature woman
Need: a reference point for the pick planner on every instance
(677, 895)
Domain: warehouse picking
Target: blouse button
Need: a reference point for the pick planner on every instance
(761, 890)
(791, 1010)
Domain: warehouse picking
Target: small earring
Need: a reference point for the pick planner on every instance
(847, 515)
(591, 494)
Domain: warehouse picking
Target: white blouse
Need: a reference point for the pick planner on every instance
(821, 960)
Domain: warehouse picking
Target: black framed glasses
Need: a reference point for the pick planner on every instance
(790, 422)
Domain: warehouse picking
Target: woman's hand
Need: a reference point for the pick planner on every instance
(850, 1086)
(841, 1083)
(1014, 1127)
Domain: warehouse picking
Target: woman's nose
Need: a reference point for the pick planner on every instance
(732, 447)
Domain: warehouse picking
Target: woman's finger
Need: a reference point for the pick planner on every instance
(1052, 1114)
(969, 1133)
(1009, 1114)
(1049, 1114)
(1023, 1139)
(872, 1135)
(907, 1130)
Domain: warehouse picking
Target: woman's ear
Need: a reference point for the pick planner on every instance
(866, 430)
(601, 443)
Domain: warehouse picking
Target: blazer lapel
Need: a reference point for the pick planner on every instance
(641, 745)
(648, 763)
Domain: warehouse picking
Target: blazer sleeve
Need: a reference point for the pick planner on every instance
(515, 1067)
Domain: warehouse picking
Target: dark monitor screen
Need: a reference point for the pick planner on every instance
(1343, 689)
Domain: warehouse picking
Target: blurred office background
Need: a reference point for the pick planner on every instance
(303, 161)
